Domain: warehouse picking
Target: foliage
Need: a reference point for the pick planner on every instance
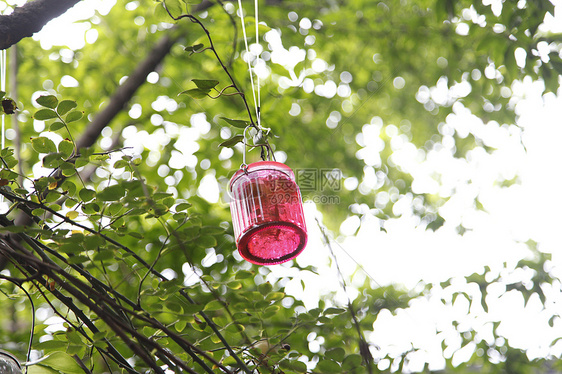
(121, 245)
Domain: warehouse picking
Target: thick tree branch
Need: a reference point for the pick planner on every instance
(29, 19)
(125, 92)
(120, 98)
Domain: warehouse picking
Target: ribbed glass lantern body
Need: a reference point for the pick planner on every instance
(267, 214)
(9, 364)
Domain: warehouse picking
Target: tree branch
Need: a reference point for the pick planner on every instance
(120, 98)
(125, 92)
(29, 19)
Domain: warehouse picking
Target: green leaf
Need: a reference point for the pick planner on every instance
(56, 126)
(111, 193)
(334, 311)
(193, 48)
(93, 241)
(161, 195)
(238, 123)
(212, 230)
(52, 160)
(234, 285)
(78, 259)
(66, 106)
(232, 141)
(120, 164)
(192, 308)
(99, 336)
(73, 337)
(205, 84)
(45, 114)
(77, 350)
(328, 366)
(50, 345)
(91, 208)
(42, 144)
(265, 288)
(67, 169)
(74, 116)
(295, 366)
(174, 7)
(66, 147)
(244, 274)
(182, 206)
(180, 325)
(196, 93)
(48, 101)
(61, 362)
(114, 209)
(8, 174)
(82, 161)
(351, 361)
(168, 202)
(213, 305)
(86, 194)
(7, 152)
(72, 214)
(135, 234)
(337, 354)
(275, 296)
(270, 311)
(16, 229)
(52, 197)
(40, 369)
(207, 241)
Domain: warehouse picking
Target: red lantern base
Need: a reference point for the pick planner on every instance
(272, 243)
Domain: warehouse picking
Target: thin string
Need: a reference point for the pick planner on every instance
(3, 88)
(243, 166)
(363, 345)
(258, 114)
(248, 54)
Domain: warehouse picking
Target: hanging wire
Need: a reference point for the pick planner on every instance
(3, 88)
(18, 283)
(252, 71)
(241, 11)
(244, 166)
(258, 114)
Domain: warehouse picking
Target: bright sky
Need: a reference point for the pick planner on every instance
(406, 254)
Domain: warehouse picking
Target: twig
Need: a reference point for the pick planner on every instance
(212, 47)
(18, 283)
(363, 345)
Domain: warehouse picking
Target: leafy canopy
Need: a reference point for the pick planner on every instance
(126, 246)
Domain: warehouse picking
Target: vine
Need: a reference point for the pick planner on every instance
(204, 87)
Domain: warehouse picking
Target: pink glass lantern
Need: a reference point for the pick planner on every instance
(267, 215)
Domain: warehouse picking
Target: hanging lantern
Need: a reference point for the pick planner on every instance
(9, 364)
(267, 214)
